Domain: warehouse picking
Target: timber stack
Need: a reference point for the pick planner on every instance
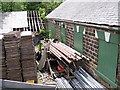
(64, 52)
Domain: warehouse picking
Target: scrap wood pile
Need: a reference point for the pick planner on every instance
(19, 56)
(64, 52)
(65, 58)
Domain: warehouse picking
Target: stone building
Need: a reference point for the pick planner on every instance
(92, 28)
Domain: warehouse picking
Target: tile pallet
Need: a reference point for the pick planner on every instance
(11, 41)
(3, 75)
(28, 58)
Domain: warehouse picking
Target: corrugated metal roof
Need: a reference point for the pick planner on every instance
(10, 20)
(88, 11)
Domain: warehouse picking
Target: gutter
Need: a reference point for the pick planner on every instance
(98, 26)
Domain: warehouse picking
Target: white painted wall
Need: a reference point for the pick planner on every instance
(8, 21)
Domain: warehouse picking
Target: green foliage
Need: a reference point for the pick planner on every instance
(44, 7)
(12, 6)
(44, 34)
(32, 5)
(42, 31)
(47, 7)
(42, 13)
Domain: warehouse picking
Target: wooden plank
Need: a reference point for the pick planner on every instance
(61, 55)
(60, 49)
(70, 51)
(66, 51)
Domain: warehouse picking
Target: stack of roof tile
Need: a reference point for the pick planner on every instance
(11, 41)
(2, 59)
(28, 57)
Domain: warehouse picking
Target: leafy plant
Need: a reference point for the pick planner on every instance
(44, 34)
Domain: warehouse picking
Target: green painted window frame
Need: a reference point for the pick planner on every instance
(63, 33)
(78, 38)
(51, 29)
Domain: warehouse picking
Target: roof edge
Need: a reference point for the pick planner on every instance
(103, 26)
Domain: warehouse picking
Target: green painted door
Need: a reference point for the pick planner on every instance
(119, 38)
(78, 38)
(107, 61)
(63, 34)
(51, 28)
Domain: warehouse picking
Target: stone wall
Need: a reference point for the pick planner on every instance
(51, 21)
(90, 50)
(70, 35)
(57, 31)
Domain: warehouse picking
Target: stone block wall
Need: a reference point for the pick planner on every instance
(57, 31)
(51, 21)
(90, 49)
(70, 35)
